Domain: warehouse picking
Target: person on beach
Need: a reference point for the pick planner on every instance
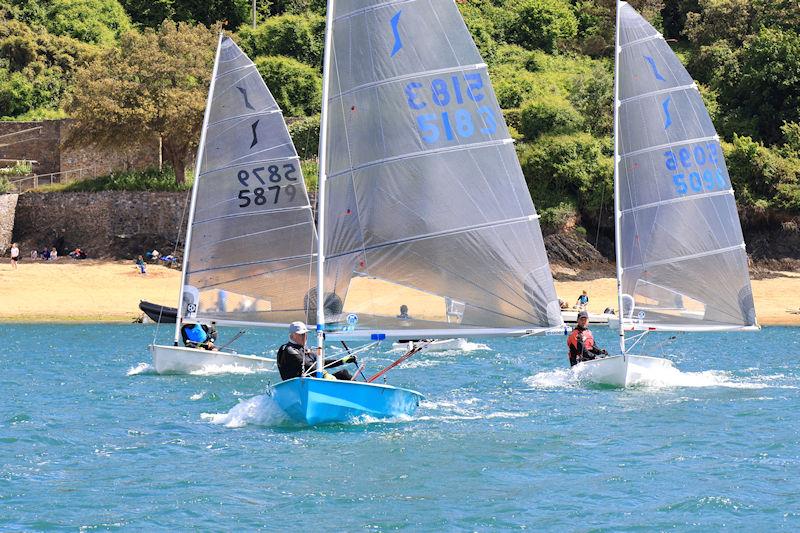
(581, 342)
(14, 255)
(199, 336)
(295, 360)
(583, 301)
(53, 254)
(142, 265)
(403, 312)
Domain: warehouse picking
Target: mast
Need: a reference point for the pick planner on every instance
(190, 221)
(323, 160)
(617, 213)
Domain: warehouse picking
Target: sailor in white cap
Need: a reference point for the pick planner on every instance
(295, 360)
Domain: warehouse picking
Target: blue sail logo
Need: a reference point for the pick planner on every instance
(667, 117)
(653, 66)
(398, 44)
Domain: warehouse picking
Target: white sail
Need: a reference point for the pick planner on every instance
(427, 206)
(251, 242)
(682, 256)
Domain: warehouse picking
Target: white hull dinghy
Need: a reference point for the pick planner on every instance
(439, 345)
(182, 360)
(250, 237)
(677, 230)
(621, 370)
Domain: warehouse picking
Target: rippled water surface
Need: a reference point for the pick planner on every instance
(506, 439)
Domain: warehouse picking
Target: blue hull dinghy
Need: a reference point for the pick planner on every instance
(315, 401)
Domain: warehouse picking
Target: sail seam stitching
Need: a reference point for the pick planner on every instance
(387, 81)
(687, 257)
(251, 263)
(668, 145)
(676, 200)
(422, 153)
(642, 40)
(257, 213)
(371, 8)
(443, 233)
(657, 92)
(257, 113)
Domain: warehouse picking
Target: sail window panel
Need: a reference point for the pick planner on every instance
(710, 290)
(251, 239)
(680, 170)
(670, 231)
(412, 116)
(501, 281)
(342, 218)
(246, 141)
(397, 40)
(240, 92)
(650, 66)
(274, 292)
(632, 26)
(663, 120)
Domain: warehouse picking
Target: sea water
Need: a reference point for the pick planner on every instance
(506, 439)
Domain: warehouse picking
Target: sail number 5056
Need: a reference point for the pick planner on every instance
(273, 174)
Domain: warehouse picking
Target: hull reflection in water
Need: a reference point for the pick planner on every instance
(621, 370)
(322, 401)
(181, 360)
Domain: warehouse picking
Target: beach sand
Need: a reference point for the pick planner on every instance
(109, 291)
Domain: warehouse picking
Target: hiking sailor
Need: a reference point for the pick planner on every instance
(197, 335)
(581, 342)
(295, 360)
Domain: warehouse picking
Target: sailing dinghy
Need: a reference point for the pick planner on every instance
(681, 261)
(250, 240)
(422, 200)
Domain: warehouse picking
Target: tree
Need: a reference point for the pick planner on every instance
(153, 12)
(297, 36)
(154, 84)
(295, 86)
(90, 21)
(542, 24)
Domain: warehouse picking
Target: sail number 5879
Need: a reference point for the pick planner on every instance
(272, 174)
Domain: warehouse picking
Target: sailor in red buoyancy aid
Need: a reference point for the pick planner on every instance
(581, 342)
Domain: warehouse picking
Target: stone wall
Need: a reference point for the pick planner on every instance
(8, 205)
(43, 142)
(114, 224)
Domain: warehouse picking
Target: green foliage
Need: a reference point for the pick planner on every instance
(568, 168)
(20, 168)
(544, 24)
(91, 21)
(305, 136)
(152, 13)
(761, 177)
(297, 36)
(296, 87)
(5, 185)
(558, 215)
(16, 93)
(767, 87)
(592, 96)
(310, 169)
(486, 23)
(548, 114)
(140, 180)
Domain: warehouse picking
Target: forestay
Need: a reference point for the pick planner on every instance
(252, 240)
(426, 202)
(684, 264)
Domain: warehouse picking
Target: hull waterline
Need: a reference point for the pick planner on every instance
(619, 370)
(315, 401)
(182, 360)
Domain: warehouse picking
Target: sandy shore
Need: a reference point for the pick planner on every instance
(94, 291)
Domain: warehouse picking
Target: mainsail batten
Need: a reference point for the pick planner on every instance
(676, 212)
(427, 207)
(252, 244)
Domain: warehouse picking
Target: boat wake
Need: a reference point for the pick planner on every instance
(463, 346)
(213, 370)
(259, 410)
(142, 368)
(664, 377)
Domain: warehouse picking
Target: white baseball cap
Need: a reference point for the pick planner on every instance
(297, 327)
